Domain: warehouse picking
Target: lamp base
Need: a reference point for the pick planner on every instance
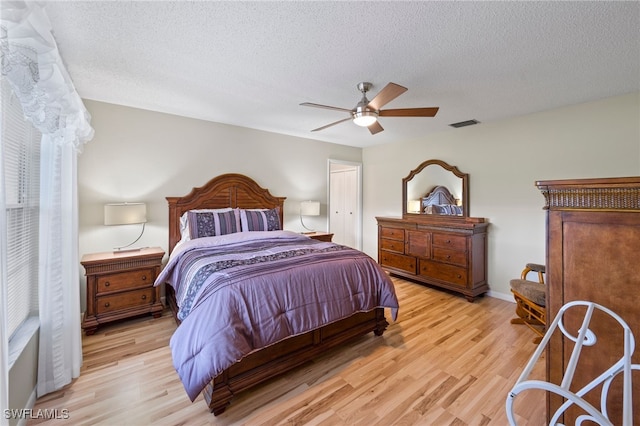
(126, 249)
(310, 231)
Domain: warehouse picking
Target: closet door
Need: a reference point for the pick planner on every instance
(336, 201)
(344, 205)
(350, 207)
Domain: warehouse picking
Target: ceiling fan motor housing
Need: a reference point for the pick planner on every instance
(362, 114)
(364, 87)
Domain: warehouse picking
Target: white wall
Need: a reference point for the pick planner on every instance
(503, 160)
(139, 155)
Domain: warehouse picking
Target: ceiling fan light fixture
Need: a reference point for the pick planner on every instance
(365, 118)
(366, 112)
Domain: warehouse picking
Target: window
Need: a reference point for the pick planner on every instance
(21, 168)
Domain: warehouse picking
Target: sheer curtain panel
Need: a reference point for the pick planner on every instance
(32, 64)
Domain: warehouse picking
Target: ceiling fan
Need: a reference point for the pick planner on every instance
(366, 112)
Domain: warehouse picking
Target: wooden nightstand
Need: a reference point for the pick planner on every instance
(120, 285)
(320, 236)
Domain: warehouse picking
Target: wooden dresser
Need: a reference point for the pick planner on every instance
(593, 248)
(450, 254)
(120, 285)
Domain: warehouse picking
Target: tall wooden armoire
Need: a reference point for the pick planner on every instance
(593, 254)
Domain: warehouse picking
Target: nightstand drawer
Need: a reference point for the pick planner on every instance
(124, 300)
(125, 280)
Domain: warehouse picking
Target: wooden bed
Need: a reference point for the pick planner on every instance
(236, 190)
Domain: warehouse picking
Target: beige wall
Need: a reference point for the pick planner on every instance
(503, 160)
(139, 155)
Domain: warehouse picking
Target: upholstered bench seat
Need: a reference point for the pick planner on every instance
(530, 300)
(531, 290)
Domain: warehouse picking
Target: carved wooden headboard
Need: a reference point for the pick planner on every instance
(228, 190)
(439, 195)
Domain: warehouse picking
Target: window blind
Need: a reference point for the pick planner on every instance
(21, 169)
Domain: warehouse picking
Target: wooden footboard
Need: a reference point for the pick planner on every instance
(276, 359)
(292, 352)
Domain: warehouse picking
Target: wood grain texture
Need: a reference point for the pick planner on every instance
(593, 240)
(444, 362)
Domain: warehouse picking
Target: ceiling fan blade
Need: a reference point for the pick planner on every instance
(409, 112)
(309, 104)
(332, 124)
(375, 128)
(386, 95)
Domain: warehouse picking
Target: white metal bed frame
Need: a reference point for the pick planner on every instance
(585, 337)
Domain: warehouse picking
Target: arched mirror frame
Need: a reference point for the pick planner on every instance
(453, 169)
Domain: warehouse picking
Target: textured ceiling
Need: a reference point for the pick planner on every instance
(252, 63)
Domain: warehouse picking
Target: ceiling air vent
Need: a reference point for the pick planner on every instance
(464, 123)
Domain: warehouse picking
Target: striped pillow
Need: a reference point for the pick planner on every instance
(260, 219)
(211, 223)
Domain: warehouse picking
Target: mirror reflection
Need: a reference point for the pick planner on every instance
(436, 188)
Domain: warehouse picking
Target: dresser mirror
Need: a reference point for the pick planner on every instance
(435, 189)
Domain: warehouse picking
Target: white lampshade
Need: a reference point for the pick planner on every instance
(413, 206)
(310, 208)
(125, 213)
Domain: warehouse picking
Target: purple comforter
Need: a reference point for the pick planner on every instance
(242, 292)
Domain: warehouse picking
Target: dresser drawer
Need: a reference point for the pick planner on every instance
(392, 245)
(392, 233)
(125, 280)
(441, 271)
(398, 261)
(456, 242)
(124, 300)
(455, 257)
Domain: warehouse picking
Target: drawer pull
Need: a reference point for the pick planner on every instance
(448, 241)
(106, 305)
(144, 297)
(107, 284)
(144, 277)
(448, 256)
(459, 276)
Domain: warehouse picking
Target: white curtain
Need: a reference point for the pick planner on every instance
(4, 338)
(32, 64)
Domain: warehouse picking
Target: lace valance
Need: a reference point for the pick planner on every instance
(31, 62)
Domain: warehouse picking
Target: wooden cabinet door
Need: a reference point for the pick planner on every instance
(418, 244)
(593, 256)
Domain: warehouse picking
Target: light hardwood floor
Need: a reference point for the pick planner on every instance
(445, 361)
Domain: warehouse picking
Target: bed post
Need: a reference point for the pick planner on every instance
(218, 395)
(381, 322)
